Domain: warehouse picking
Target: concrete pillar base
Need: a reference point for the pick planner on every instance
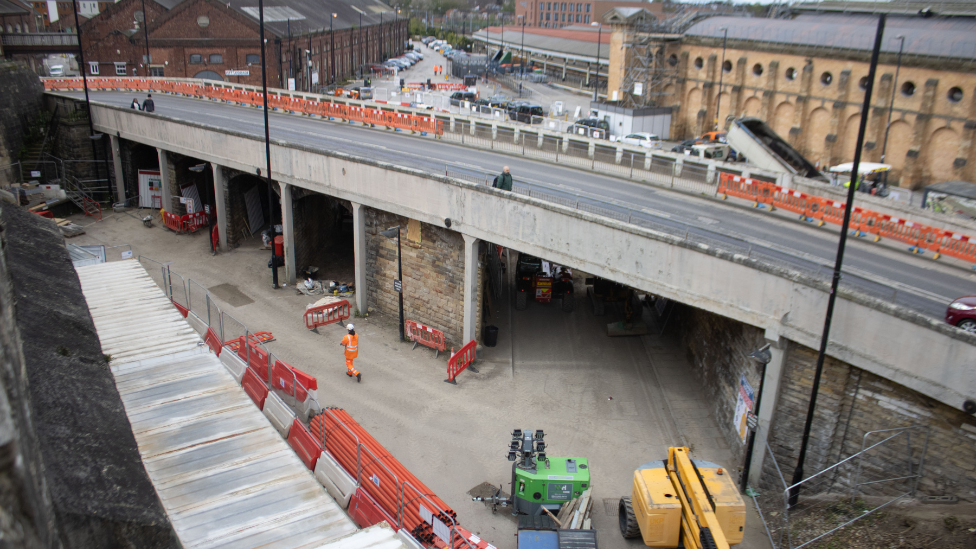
(359, 253)
(117, 166)
(470, 288)
(288, 233)
(220, 204)
(164, 180)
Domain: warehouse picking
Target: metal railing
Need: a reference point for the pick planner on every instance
(838, 495)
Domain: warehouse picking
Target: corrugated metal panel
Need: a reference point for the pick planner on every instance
(224, 475)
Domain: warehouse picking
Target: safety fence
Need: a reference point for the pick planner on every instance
(461, 361)
(426, 336)
(863, 222)
(357, 471)
(326, 314)
(378, 487)
(886, 469)
(287, 104)
(188, 223)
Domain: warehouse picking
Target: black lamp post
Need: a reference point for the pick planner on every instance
(145, 30)
(522, 75)
(762, 356)
(891, 106)
(721, 73)
(398, 284)
(838, 263)
(267, 147)
(84, 79)
(332, 50)
(599, 39)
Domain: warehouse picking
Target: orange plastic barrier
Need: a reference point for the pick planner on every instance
(461, 361)
(830, 211)
(303, 444)
(863, 222)
(292, 381)
(791, 201)
(953, 244)
(742, 187)
(256, 357)
(425, 335)
(254, 387)
(213, 341)
(905, 231)
(330, 313)
(195, 221)
(173, 222)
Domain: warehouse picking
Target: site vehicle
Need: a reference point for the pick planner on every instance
(542, 280)
(716, 151)
(642, 139)
(683, 502)
(525, 112)
(711, 137)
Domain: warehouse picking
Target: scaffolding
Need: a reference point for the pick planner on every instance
(647, 71)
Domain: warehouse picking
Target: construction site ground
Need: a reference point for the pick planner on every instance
(620, 402)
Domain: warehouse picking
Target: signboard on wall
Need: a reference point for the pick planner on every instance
(237, 73)
(743, 407)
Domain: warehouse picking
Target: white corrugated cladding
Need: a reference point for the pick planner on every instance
(224, 475)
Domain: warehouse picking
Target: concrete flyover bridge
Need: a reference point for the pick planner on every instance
(891, 341)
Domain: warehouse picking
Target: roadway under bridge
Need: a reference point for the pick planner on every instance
(742, 265)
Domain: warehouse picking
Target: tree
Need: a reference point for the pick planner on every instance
(508, 6)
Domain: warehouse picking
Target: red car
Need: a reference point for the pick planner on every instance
(962, 313)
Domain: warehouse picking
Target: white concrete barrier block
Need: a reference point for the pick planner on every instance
(340, 484)
(278, 413)
(408, 540)
(233, 363)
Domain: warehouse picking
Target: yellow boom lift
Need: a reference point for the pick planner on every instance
(683, 501)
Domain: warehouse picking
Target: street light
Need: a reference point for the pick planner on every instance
(332, 50)
(267, 143)
(721, 73)
(206, 208)
(522, 75)
(84, 79)
(398, 283)
(762, 356)
(891, 106)
(599, 35)
(145, 30)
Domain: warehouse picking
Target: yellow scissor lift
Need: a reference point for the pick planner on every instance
(683, 501)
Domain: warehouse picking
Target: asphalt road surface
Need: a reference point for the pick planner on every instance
(887, 272)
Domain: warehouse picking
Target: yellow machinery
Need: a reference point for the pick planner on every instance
(686, 501)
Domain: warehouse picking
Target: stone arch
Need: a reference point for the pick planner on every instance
(752, 106)
(899, 140)
(694, 104)
(941, 149)
(816, 130)
(208, 75)
(849, 142)
(783, 119)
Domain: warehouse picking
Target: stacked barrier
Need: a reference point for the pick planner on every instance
(173, 222)
(460, 361)
(388, 491)
(195, 221)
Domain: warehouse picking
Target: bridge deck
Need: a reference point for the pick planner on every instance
(222, 472)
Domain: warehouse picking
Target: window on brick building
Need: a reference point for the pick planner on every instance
(93, 67)
(587, 20)
(138, 16)
(548, 17)
(216, 58)
(120, 69)
(564, 18)
(549, 6)
(587, 9)
(571, 6)
(579, 7)
(253, 58)
(541, 16)
(196, 58)
(156, 71)
(203, 21)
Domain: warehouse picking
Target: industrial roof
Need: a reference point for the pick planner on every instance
(936, 37)
(12, 7)
(316, 15)
(573, 42)
(902, 7)
(224, 475)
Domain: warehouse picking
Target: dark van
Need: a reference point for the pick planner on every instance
(459, 96)
(523, 112)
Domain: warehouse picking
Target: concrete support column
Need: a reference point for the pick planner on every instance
(618, 155)
(117, 166)
(220, 204)
(678, 164)
(164, 179)
(591, 150)
(778, 347)
(494, 132)
(710, 172)
(359, 254)
(288, 232)
(470, 287)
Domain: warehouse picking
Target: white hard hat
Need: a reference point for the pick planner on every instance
(350, 327)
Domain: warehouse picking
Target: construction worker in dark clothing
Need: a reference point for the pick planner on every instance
(351, 343)
(148, 104)
(504, 180)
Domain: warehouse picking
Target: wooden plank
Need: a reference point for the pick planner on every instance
(553, 517)
(583, 505)
(586, 524)
(568, 511)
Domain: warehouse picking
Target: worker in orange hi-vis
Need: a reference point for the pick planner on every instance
(351, 343)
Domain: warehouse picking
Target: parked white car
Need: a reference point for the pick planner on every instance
(642, 139)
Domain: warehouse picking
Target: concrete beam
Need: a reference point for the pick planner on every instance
(736, 286)
(117, 166)
(220, 203)
(288, 233)
(164, 179)
(470, 287)
(359, 254)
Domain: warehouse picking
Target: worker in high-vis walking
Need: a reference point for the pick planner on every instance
(351, 343)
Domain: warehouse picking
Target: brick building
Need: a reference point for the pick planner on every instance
(805, 74)
(560, 14)
(308, 44)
